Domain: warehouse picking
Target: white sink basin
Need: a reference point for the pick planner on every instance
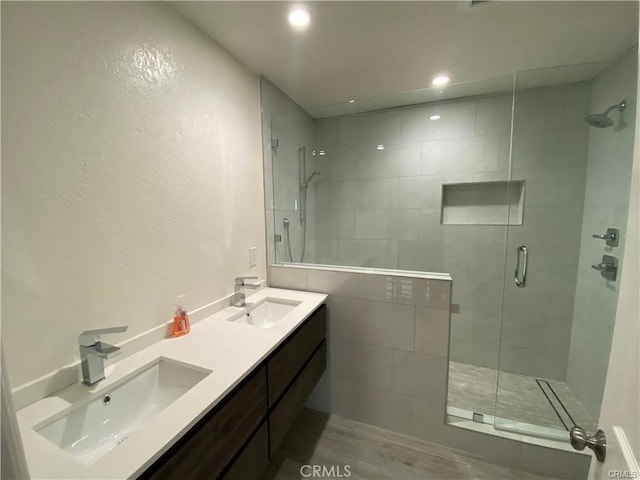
(266, 312)
(90, 430)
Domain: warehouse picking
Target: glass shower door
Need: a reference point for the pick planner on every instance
(558, 311)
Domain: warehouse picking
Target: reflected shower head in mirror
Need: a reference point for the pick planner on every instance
(602, 120)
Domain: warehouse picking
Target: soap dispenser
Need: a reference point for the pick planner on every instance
(180, 322)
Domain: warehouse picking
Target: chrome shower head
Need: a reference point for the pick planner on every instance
(285, 222)
(598, 120)
(602, 120)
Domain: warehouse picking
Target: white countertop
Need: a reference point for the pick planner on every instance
(230, 349)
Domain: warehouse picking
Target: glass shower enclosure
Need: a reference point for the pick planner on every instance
(557, 326)
(503, 185)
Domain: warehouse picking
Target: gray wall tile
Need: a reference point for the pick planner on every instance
(420, 375)
(432, 331)
(367, 321)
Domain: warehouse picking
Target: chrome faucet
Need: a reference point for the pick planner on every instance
(240, 295)
(93, 353)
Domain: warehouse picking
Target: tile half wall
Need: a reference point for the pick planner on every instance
(388, 359)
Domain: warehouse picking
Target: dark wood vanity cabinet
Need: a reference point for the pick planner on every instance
(285, 363)
(206, 450)
(238, 437)
(253, 458)
(294, 398)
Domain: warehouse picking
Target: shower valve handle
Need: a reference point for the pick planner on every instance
(611, 236)
(604, 236)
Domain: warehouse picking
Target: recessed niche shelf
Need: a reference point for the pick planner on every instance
(483, 203)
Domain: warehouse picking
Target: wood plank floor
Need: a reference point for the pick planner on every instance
(374, 453)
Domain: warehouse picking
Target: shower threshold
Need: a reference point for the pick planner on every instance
(507, 425)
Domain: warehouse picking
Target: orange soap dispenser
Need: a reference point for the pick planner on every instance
(180, 322)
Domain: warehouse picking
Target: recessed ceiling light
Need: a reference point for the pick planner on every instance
(380, 147)
(299, 17)
(435, 117)
(440, 80)
(351, 101)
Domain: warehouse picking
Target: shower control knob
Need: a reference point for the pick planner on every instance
(608, 267)
(611, 236)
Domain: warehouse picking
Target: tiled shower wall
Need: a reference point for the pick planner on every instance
(605, 205)
(550, 141)
(381, 208)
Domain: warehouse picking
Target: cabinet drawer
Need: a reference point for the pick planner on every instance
(286, 362)
(294, 399)
(206, 450)
(253, 460)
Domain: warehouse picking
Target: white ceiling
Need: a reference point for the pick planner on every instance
(379, 50)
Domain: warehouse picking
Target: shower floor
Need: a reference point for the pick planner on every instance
(519, 397)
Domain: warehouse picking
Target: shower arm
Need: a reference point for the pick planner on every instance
(620, 106)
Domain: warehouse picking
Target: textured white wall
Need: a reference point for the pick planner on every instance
(131, 173)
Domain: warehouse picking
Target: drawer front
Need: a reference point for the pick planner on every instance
(286, 362)
(253, 460)
(209, 447)
(294, 399)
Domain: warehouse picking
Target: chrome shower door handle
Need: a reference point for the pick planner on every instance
(523, 252)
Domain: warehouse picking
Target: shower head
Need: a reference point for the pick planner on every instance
(598, 120)
(309, 178)
(602, 120)
(285, 222)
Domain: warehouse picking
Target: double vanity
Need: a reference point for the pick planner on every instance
(215, 403)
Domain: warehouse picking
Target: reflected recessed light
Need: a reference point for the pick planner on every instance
(299, 17)
(351, 101)
(322, 152)
(380, 147)
(435, 117)
(440, 80)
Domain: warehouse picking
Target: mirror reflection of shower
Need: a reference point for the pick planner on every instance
(305, 181)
